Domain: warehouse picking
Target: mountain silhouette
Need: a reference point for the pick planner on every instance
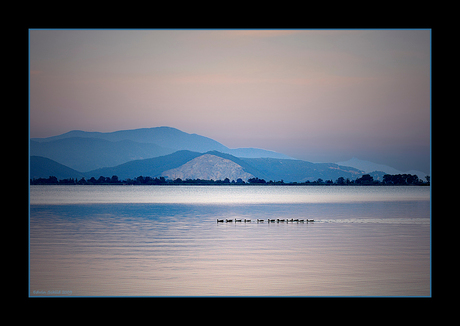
(42, 167)
(210, 165)
(215, 165)
(86, 151)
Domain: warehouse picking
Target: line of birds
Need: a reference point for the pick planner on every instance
(278, 220)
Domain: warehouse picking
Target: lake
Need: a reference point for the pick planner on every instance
(165, 241)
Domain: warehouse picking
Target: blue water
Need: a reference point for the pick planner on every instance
(164, 241)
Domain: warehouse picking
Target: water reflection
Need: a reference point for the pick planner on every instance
(179, 249)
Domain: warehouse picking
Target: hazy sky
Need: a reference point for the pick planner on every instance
(316, 95)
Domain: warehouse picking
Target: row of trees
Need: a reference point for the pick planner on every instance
(156, 181)
(388, 179)
(403, 179)
(366, 179)
(394, 179)
(71, 181)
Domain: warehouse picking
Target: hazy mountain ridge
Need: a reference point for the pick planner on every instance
(370, 167)
(215, 165)
(165, 137)
(85, 154)
(42, 167)
(152, 167)
(155, 167)
(86, 151)
(301, 171)
(153, 152)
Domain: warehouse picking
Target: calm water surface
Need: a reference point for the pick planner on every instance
(164, 241)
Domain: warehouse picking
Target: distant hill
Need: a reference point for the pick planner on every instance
(152, 167)
(169, 152)
(208, 167)
(42, 167)
(84, 154)
(241, 162)
(86, 151)
(178, 165)
(300, 171)
(377, 169)
(216, 165)
(165, 137)
(368, 167)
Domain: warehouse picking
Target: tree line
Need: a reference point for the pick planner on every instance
(366, 179)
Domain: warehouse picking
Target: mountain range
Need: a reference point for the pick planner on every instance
(171, 153)
(85, 151)
(369, 167)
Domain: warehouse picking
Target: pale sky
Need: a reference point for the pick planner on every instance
(316, 95)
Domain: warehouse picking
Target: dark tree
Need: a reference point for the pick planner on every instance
(366, 179)
(400, 179)
(388, 179)
(340, 181)
(256, 180)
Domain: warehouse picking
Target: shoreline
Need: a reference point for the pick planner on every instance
(235, 184)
